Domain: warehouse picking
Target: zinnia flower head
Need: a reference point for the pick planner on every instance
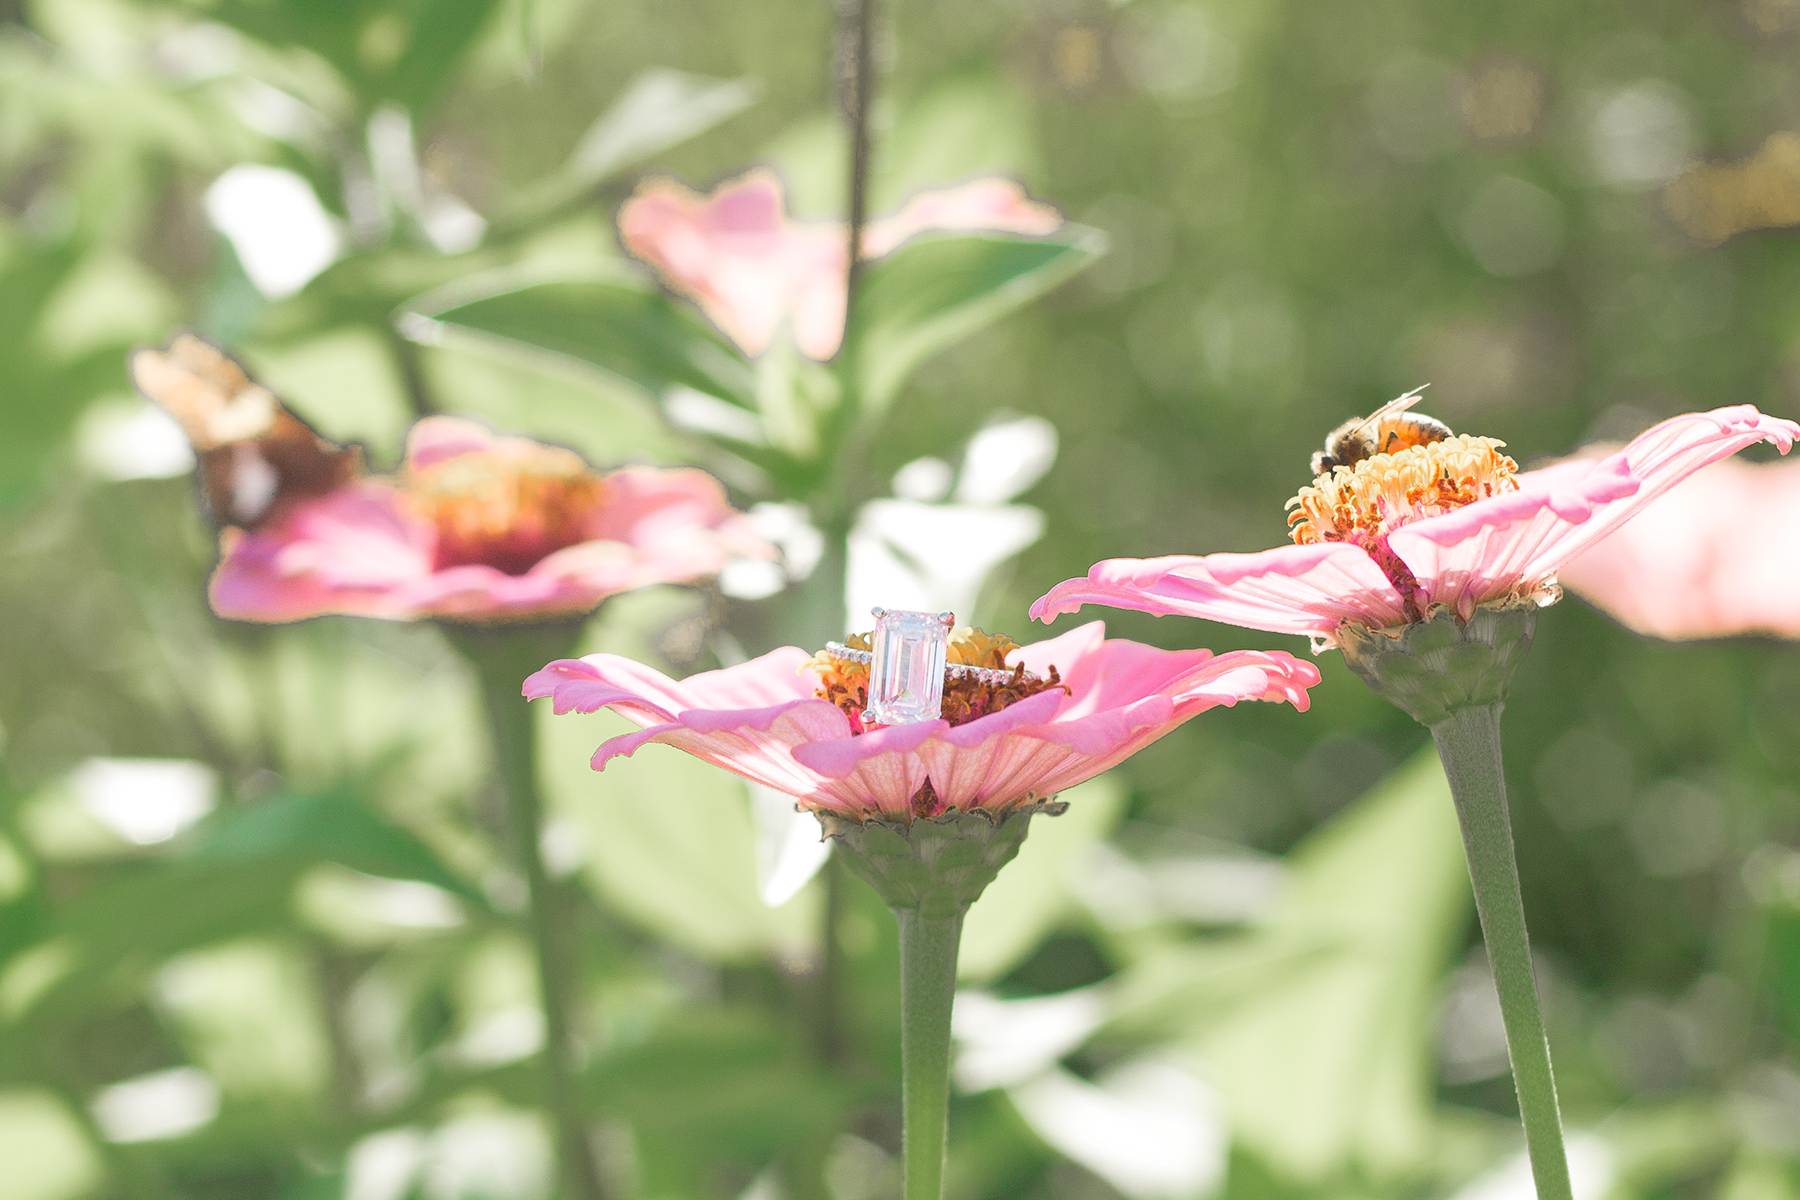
(778, 720)
(1718, 556)
(736, 253)
(1364, 503)
(1397, 537)
(483, 528)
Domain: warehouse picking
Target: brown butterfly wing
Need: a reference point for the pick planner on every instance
(255, 455)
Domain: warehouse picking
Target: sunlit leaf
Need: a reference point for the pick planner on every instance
(47, 1152)
(657, 109)
(330, 827)
(66, 322)
(1317, 1025)
(116, 934)
(669, 842)
(389, 50)
(596, 312)
(1032, 894)
(727, 1081)
(935, 291)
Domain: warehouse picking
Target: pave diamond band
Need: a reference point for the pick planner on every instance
(908, 661)
(963, 670)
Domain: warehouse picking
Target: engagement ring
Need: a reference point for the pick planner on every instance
(907, 666)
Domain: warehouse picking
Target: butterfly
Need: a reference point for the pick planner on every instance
(255, 455)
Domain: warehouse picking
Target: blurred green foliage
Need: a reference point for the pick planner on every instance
(1308, 209)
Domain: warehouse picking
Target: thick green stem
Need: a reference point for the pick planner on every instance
(927, 992)
(929, 870)
(1468, 742)
(504, 658)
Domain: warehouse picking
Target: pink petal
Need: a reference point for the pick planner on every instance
(759, 744)
(736, 254)
(774, 678)
(981, 204)
(432, 440)
(1515, 544)
(751, 269)
(348, 551)
(648, 505)
(361, 551)
(1290, 589)
(1717, 556)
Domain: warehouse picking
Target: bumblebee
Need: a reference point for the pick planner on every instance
(1390, 427)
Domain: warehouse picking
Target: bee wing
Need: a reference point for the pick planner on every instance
(1392, 408)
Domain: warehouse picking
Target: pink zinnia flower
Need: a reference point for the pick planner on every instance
(766, 721)
(1716, 557)
(480, 527)
(750, 268)
(1398, 536)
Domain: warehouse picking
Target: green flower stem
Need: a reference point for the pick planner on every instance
(927, 991)
(1468, 742)
(929, 870)
(504, 657)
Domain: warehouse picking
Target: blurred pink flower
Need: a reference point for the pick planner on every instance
(750, 268)
(480, 527)
(1441, 524)
(1715, 557)
(763, 720)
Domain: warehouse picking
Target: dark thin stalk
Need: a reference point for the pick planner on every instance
(1468, 742)
(335, 975)
(848, 433)
(857, 84)
(412, 374)
(927, 993)
(503, 658)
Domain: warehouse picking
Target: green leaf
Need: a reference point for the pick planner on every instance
(935, 291)
(656, 110)
(66, 322)
(47, 1153)
(1031, 896)
(330, 827)
(725, 1080)
(404, 51)
(442, 32)
(109, 940)
(597, 313)
(1317, 1025)
(669, 841)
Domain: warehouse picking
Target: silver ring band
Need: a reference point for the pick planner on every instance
(980, 674)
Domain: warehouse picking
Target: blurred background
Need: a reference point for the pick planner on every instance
(257, 934)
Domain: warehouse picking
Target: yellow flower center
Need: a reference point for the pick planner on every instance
(1378, 495)
(1364, 503)
(507, 511)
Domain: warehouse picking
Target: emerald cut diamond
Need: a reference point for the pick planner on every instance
(906, 669)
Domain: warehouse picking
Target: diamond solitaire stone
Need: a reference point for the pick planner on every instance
(906, 674)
